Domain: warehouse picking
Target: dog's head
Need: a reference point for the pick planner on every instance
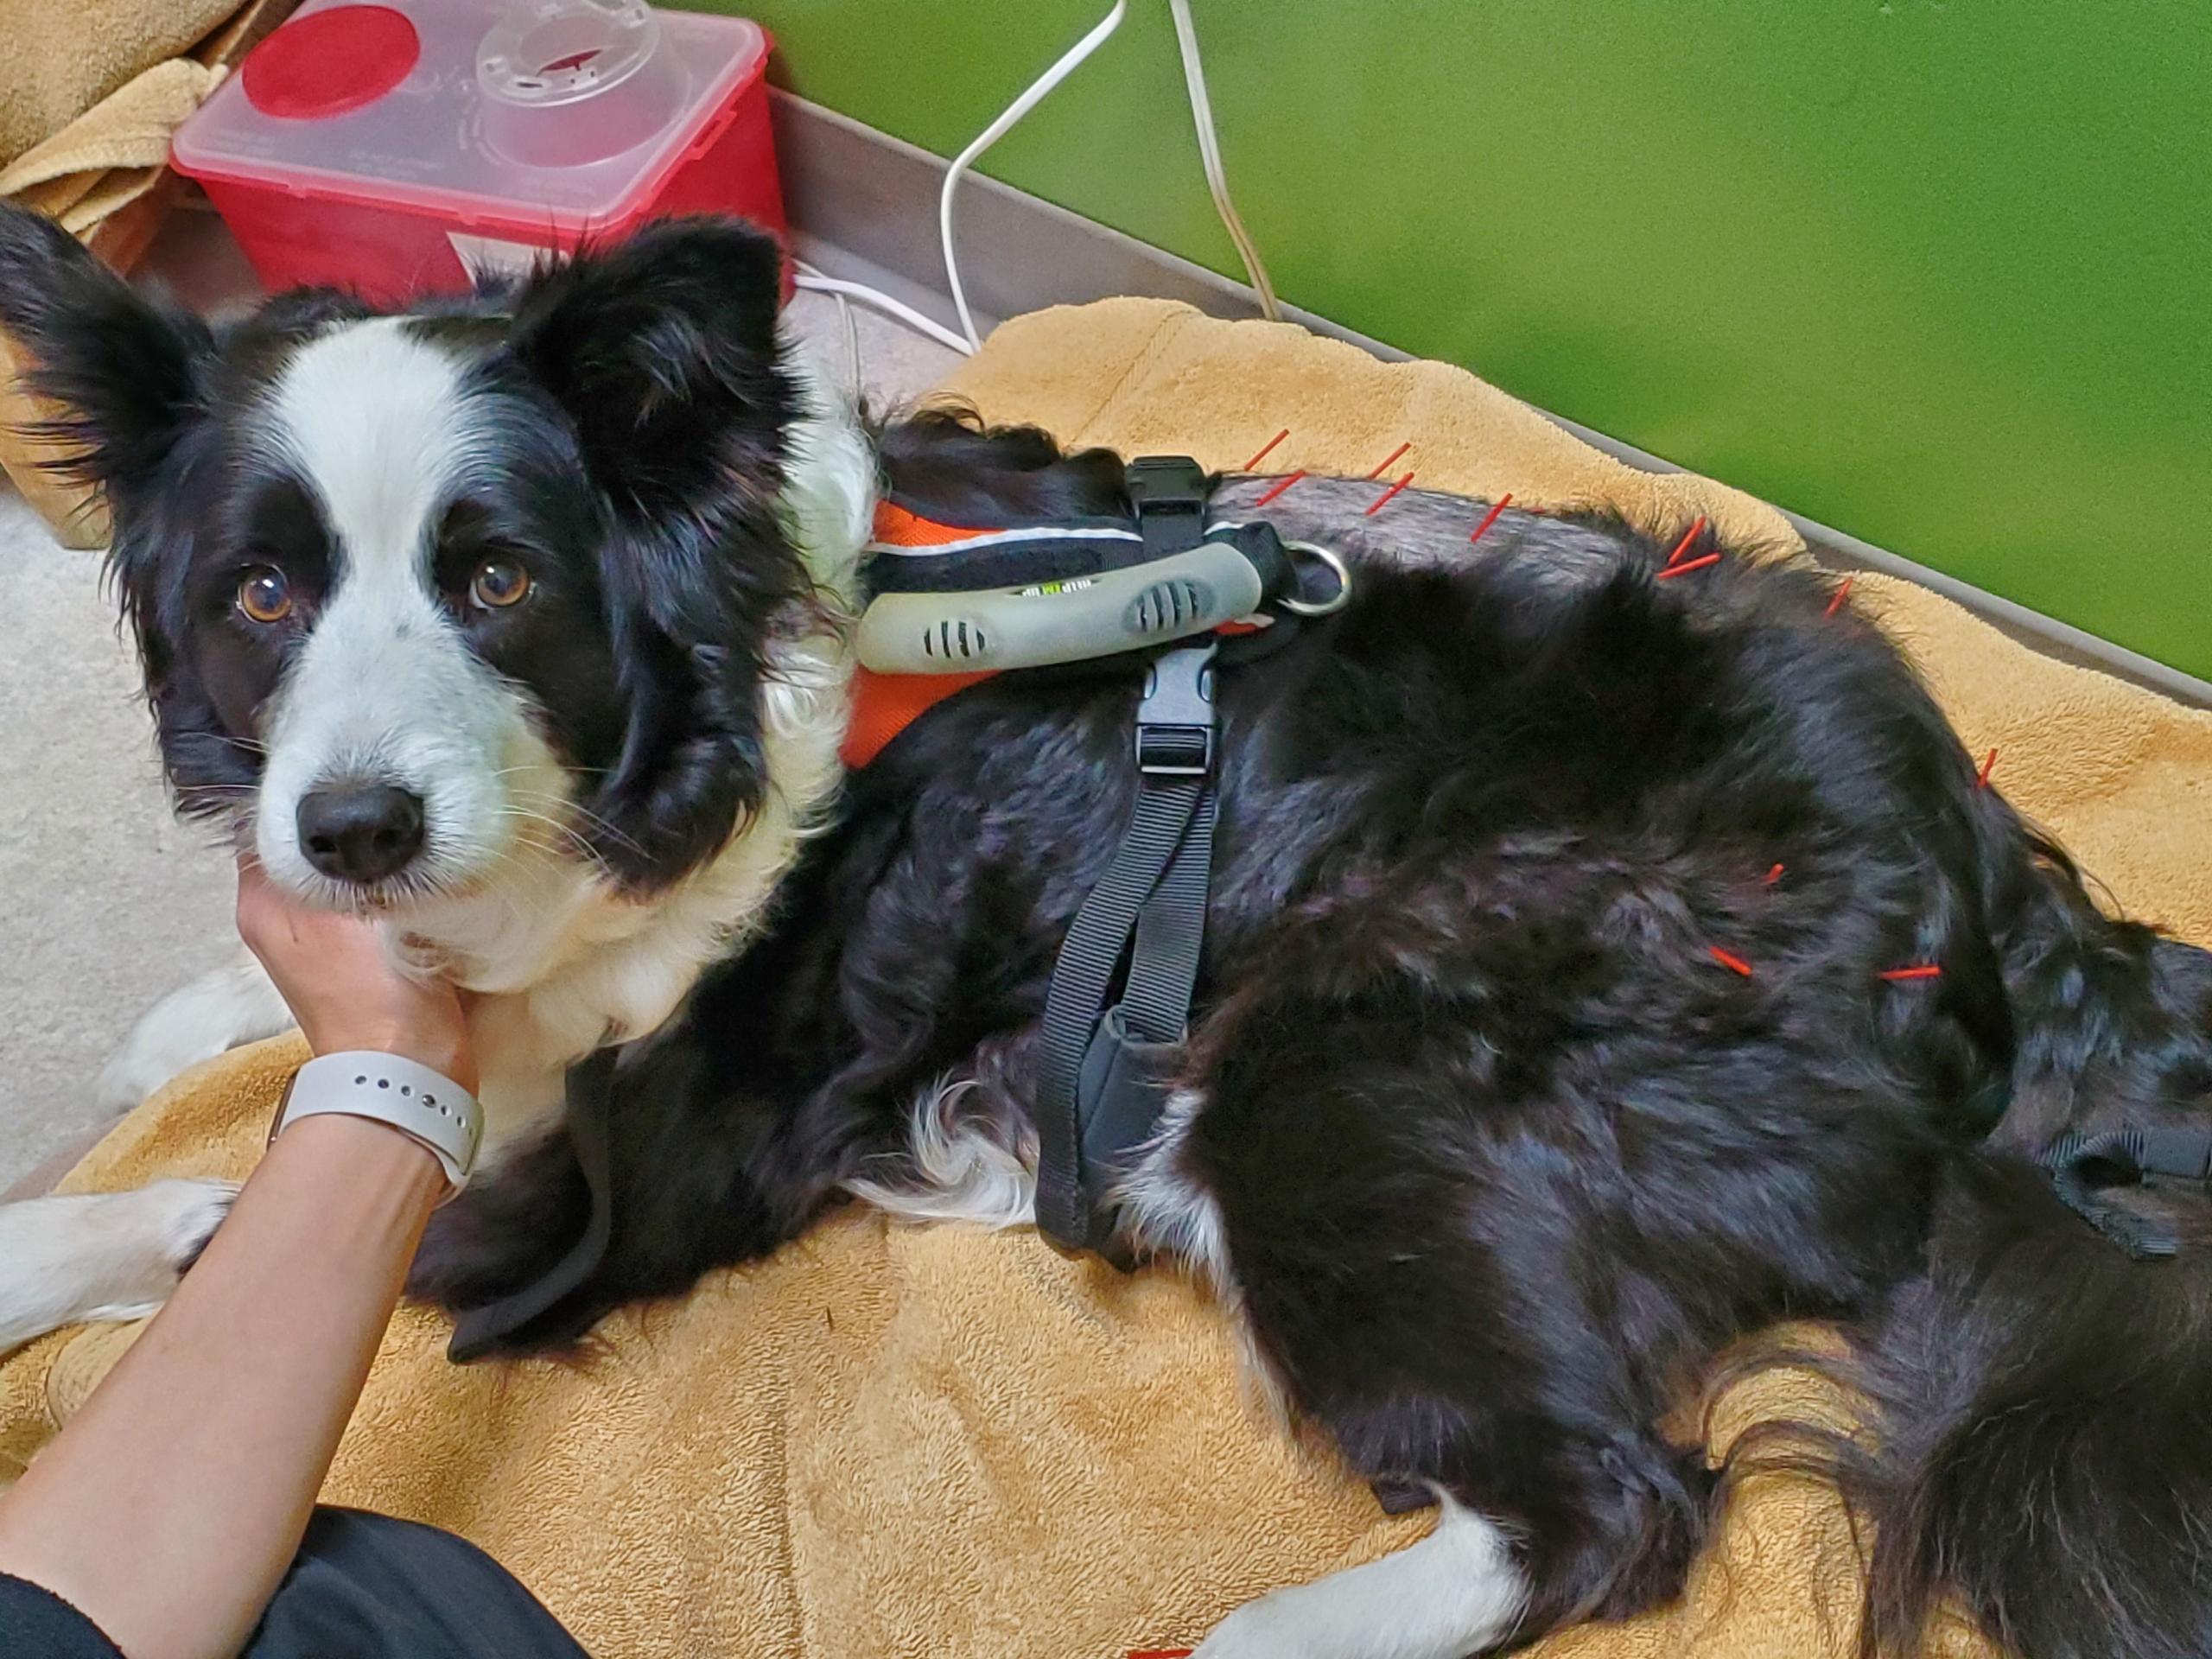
(413, 590)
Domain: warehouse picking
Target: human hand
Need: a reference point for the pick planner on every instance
(342, 986)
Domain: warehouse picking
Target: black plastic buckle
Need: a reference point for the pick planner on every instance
(1175, 717)
(1169, 494)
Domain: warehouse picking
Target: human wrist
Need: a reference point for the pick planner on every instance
(371, 1155)
(445, 1050)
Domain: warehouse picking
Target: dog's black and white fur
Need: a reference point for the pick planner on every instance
(1492, 1154)
(611, 777)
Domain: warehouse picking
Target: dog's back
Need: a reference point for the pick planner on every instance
(1606, 963)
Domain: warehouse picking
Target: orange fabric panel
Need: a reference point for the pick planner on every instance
(896, 527)
(884, 705)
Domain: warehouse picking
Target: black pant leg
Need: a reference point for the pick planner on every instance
(369, 1586)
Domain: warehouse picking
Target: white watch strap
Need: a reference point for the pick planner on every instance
(391, 1089)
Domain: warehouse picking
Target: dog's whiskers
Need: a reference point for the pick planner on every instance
(573, 838)
(591, 818)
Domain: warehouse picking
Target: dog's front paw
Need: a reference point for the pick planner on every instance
(505, 1231)
(101, 1255)
(233, 1005)
(185, 1214)
(146, 1240)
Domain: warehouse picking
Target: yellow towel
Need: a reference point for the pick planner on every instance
(129, 129)
(64, 56)
(889, 1441)
(89, 95)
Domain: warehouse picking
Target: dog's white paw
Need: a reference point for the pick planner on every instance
(161, 1228)
(101, 1255)
(1456, 1591)
(235, 1004)
(1270, 1628)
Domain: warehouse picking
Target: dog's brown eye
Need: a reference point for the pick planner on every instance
(265, 595)
(500, 583)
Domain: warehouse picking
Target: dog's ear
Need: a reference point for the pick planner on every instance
(127, 377)
(124, 373)
(662, 351)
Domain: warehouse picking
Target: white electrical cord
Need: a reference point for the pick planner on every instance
(815, 282)
(1194, 83)
(845, 321)
(1031, 97)
(967, 341)
(852, 327)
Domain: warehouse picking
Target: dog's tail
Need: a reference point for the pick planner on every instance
(2045, 1449)
(2043, 1452)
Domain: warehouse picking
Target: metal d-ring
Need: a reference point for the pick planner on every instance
(1336, 601)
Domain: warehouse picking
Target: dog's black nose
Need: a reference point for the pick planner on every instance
(360, 832)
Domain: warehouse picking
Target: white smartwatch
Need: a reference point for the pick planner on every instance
(429, 1108)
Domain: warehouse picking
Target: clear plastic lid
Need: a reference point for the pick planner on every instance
(563, 113)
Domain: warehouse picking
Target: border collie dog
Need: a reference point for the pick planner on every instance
(521, 620)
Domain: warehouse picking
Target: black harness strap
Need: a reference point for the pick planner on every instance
(1169, 493)
(1171, 935)
(2080, 1164)
(478, 1330)
(1105, 1071)
(1101, 1082)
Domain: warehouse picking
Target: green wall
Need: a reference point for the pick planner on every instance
(1937, 273)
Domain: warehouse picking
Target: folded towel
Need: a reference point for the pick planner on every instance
(128, 129)
(89, 95)
(62, 60)
(891, 1441)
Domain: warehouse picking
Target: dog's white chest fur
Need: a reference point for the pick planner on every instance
(590, 966)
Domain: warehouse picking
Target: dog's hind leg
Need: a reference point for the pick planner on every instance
(1422, 1258)
(1456, 1591)
(100, 1255)
(235, 1004)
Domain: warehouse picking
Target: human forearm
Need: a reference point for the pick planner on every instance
(169, 1509)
